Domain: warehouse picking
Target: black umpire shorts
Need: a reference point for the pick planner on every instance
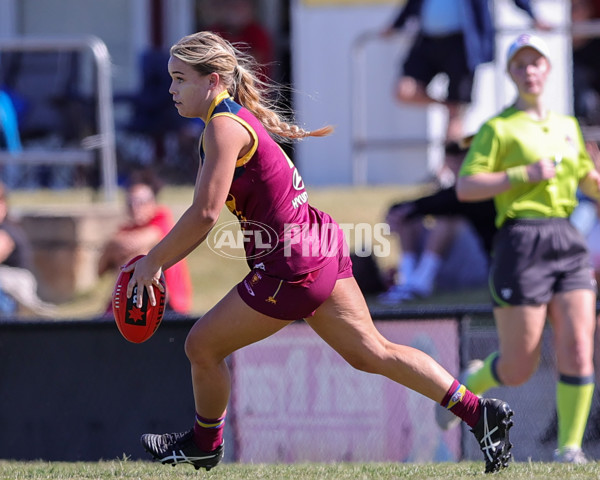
(535, 258)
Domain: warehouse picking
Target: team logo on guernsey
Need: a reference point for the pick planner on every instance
(230, 241)
(256, 277)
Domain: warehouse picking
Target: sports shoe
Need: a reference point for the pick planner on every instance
(491, 432)
(444, 417)
(394, 295)
(174, 448)
(570, 455)
(397, 294)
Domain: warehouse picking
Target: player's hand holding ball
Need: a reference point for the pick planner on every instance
(138, 314)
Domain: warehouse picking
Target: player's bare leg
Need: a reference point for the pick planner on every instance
(228, 326)
(344, 322)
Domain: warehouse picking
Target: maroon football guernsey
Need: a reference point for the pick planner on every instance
(284, 235)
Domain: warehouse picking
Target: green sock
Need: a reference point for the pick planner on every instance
(573, 403)
(482, 380)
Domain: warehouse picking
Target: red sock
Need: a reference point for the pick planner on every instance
(208, 433)
(463, 403)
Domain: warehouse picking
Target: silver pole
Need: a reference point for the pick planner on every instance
(105, 138)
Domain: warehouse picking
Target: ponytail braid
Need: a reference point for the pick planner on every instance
(208, 52)
(257, 96)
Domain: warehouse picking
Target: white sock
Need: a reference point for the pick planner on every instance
(406, 267)
(424, 275)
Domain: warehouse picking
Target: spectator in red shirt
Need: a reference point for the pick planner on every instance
(147, 224)
(235, 20)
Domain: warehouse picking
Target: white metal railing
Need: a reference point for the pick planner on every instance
(361, 144)
(104, 139)
(358, 101)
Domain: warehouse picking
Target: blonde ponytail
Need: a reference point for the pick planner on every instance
(207, 52)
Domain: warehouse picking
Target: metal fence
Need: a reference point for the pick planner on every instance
(102, 141)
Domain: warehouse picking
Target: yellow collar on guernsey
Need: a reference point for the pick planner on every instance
(218, 99)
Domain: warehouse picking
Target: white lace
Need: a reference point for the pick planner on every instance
(180, 457)
(488, 445)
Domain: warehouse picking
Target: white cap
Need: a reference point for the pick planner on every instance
(526, 40)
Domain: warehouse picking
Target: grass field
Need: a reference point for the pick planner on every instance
(116, 469)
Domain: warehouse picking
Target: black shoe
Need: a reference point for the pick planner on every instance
(174, 448)
(491, 432)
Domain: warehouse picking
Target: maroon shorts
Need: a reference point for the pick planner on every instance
(298, 298)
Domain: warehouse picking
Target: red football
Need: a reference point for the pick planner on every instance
(137, 324)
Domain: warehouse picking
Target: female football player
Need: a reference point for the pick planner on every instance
(306, 274)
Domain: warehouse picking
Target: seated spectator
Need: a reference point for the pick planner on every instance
(423, 250)
(10, 137)
(9, 125)
(439, 234)
(148, 222)
(586, 216)
(18, 285)
(235, 20)
(593, 241)
(586, 64)
(54, 112)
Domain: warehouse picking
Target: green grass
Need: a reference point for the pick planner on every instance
(124, 469)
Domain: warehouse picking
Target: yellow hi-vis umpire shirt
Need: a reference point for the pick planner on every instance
(513, 138)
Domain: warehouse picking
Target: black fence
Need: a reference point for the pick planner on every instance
(77, 391)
